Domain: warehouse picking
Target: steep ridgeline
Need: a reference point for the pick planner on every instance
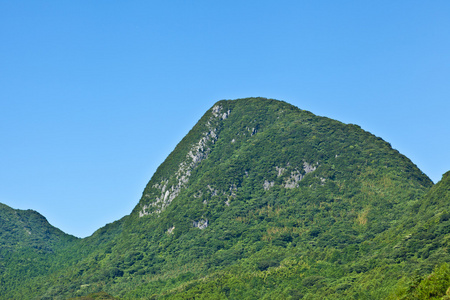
(260, 199)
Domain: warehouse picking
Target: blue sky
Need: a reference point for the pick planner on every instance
(95, 94)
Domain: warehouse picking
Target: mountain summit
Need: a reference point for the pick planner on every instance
(259, 148)
(260, 199)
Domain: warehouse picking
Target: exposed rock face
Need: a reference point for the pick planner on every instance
(170, 230)
(213, 191)
(294, 178)
(280, 171)
(201, 224)
(296, 175)
(292, 181)
(197, 153)
(268, 184)
(308, 168)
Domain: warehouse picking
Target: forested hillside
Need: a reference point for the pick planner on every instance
(260, 200)
(426, 245)
(28, 244)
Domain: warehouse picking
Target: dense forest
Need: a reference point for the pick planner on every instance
(260, 200)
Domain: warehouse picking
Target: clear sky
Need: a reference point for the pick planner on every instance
(95, 94)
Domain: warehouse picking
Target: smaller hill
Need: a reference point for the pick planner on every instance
(28, 248)
(20, 229)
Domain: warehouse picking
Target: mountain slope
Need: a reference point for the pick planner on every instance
(260, 199)
(427, 242)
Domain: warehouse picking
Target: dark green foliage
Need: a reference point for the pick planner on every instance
(95, 296)
(261, 200)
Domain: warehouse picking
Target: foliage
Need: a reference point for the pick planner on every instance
(95, 296)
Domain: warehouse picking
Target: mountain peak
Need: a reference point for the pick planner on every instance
(201, 142)
(268, 144)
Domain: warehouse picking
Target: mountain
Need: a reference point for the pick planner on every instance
(260, 200)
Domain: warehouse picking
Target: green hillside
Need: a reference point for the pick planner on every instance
(427, 244)
(28, 246)
(262, 200)
(24, 229)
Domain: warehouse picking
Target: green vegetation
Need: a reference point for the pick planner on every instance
(95, 296)
(260, 200)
